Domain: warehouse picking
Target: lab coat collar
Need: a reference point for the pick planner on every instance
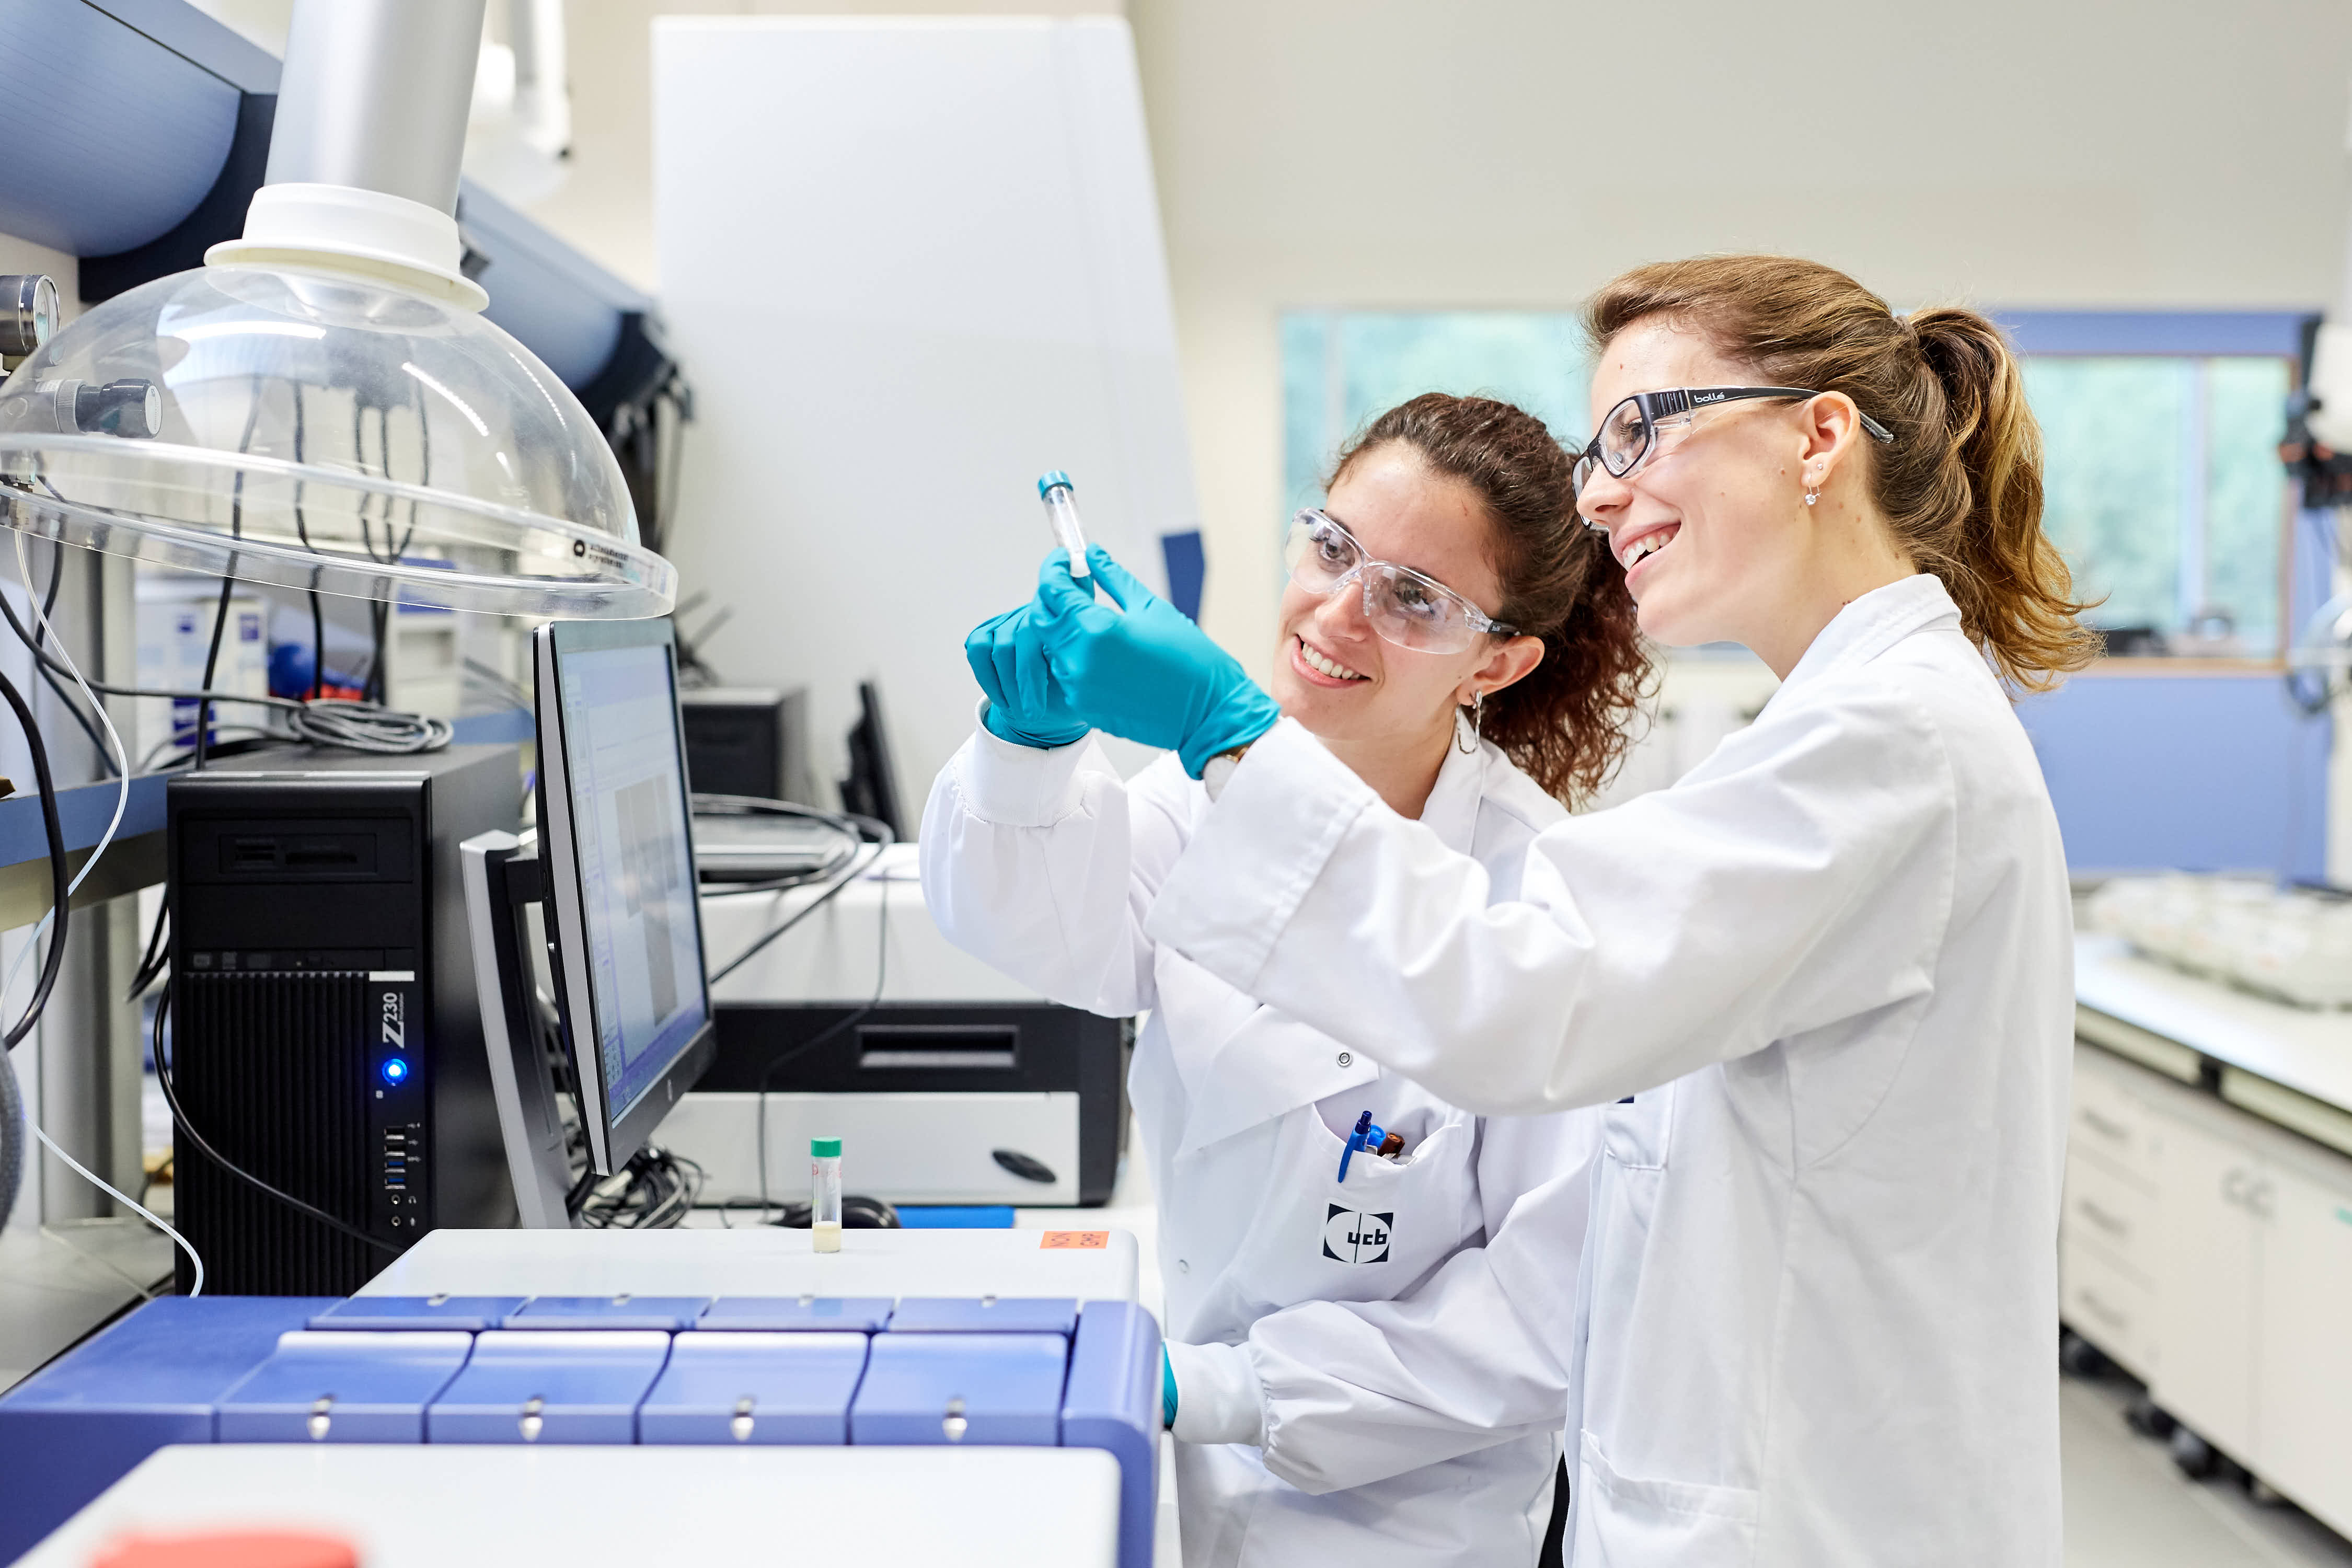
(1873, 623)
(1273, 1064)
(1452, 810)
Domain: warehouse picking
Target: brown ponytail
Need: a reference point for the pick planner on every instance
(1567, 722)
(1961, 483)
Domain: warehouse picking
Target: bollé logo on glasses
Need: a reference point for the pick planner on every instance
(1710, 398)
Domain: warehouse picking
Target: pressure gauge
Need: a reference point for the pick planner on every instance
(28, 312)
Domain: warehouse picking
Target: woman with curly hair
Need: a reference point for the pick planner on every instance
(1456, 637)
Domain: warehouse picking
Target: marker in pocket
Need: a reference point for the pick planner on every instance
(1372, 1140)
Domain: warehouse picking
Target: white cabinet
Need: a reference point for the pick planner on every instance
(2210, 1252)
(2206, 1286)
(2304, 1385)
(2111, 1241)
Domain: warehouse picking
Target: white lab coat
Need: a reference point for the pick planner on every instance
(1833, 969)
(1044, 863)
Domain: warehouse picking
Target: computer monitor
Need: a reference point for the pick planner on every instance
(616, 842)
(872, 787)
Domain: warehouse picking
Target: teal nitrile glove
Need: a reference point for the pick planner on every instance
(1149, 675)
(1007, 655)
(1167, 1389)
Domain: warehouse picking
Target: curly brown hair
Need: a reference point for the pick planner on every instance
(1568, 721)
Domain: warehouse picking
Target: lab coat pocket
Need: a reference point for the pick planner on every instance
(1626, 1519)
(1368, 1238)
(1639, 1129)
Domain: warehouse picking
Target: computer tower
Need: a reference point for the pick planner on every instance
(749, 741)
(325, 1033)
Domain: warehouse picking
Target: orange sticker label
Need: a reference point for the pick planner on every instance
(1074, 1240)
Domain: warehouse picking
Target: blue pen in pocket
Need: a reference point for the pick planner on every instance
(1365, 1136)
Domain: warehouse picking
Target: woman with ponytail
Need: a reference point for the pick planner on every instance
(1463, 645)
(1821, 988)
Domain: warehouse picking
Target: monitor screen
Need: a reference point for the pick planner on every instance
(623, 870)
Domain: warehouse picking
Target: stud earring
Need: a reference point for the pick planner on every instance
(1813, 486)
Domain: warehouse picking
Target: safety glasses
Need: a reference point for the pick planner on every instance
(1404, 607)
(1634, 427)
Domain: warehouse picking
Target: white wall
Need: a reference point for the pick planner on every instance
(1408, 152)
(1518, 152)
(910, 265)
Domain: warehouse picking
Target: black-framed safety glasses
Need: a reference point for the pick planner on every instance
(1630, 432)
(1402, 605)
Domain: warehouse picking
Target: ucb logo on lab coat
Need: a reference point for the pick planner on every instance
(1349, 1236)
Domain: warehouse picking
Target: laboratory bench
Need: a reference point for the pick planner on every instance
(2206, 1240)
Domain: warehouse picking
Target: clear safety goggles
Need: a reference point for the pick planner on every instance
(1402, 605)
(1637, 426)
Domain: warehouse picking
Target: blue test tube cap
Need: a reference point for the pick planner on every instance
(1056, 481)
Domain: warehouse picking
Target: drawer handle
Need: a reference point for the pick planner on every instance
(2101, 1311)
(2103, 1127)
(2111, 1223)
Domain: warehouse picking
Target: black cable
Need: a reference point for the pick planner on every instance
(60, 872)
(179, 1121)
(220, 615)
(884, 839)
(302, 532)
(47, 669)
(783, 1058)
(853, 840)
(211, 659)
(325, 721)
(153, 961)
(12, 1109)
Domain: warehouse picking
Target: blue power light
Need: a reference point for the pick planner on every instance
(395, 1069)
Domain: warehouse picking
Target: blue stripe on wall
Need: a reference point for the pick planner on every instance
(2202, 773)
(2155, 332)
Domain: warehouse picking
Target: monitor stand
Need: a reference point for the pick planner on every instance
(503, 880)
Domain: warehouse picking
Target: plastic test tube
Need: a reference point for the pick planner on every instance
(1062, 512)
(824, 1194)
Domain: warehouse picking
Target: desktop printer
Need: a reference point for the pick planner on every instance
(947, 1084)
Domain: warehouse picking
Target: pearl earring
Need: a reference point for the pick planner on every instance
(1813, 491)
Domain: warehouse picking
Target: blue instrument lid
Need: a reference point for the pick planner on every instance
(574, 1386)
(751, 1387)
(343, 1386)
(177, 1353)
(985, 1314)
(862, 1314)
(468, 1314)
(669, 1313)
(960, 1388)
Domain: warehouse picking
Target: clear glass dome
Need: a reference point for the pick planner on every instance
(322, 430)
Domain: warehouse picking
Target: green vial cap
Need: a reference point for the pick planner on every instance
(825, 1148)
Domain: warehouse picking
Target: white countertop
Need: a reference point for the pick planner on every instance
(1095, 1263)
(419, 1505)
(2297, 1047)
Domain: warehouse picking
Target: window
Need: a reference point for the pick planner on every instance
(2164, 487)
(2165, 490)
(1340, 368)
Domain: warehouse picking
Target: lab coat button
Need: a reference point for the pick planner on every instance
(1346, 1061)
(1182, 1266)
